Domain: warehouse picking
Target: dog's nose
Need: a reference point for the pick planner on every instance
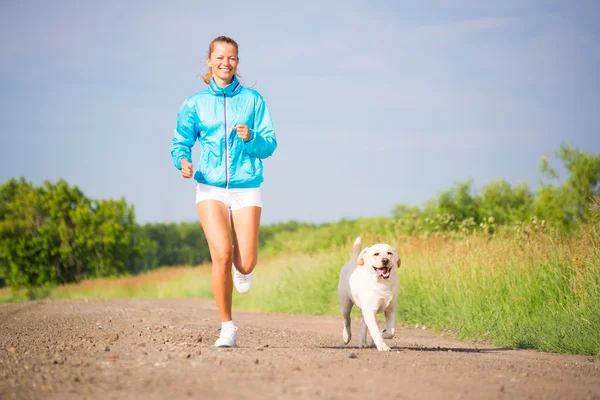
(385, 261)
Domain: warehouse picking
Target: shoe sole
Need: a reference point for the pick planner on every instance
(242, 292)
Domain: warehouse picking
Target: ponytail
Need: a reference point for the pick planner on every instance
(206, 77)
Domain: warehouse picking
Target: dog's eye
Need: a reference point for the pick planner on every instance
(375, 254)
(389, 253)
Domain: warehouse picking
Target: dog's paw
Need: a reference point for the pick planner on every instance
(386, 334)
(363, 345)
(347, 336)
(383, 347)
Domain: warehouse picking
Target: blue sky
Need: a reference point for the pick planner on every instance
(374, 103)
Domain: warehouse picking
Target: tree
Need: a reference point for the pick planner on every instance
(54, 234)
(505, 203)
(454, 208)
(568, 203)
(27, 244)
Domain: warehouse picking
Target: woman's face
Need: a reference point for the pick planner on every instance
(223, 63)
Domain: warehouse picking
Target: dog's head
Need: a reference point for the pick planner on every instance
(381, 259)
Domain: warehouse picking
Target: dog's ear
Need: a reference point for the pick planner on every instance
(361, 256)
(397, 257)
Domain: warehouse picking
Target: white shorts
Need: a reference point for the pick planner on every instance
(234, 199)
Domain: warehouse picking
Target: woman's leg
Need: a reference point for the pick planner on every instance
(245, 224)
(214, 217)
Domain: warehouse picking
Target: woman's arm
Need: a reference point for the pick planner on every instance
(185, 134)
(262, 142)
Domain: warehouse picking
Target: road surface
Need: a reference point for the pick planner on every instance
(163, 349)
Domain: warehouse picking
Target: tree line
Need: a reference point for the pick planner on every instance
(54, 234)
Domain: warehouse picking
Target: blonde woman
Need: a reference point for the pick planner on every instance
(234, 128)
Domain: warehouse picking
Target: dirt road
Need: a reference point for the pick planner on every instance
(163, 349)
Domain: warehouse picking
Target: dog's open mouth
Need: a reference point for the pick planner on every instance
(382, 272)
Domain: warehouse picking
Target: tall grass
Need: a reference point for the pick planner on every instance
(541, 293)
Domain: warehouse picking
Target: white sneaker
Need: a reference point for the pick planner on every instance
(227, 337)
(241, 282)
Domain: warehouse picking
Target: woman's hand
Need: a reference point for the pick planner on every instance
(187, 169)
(243, 132)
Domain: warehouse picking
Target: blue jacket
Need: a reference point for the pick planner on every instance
(209, 116)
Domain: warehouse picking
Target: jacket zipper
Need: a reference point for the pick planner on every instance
(226, 142)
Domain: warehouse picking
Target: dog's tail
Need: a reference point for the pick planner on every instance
(357, 247)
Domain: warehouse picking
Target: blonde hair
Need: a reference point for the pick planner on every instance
(220, 39)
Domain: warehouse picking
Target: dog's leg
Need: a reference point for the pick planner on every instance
(346, 308)
(363, 331)
(371, 322)
(390, 322)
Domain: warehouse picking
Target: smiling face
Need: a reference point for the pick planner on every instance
(381, 259)
(222, 62)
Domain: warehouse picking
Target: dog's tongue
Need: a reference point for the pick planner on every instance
(381, 271)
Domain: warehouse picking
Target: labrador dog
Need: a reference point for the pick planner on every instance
(370, 282)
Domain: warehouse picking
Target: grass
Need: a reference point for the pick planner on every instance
(539, 290)
(172, 282)
(542, 294)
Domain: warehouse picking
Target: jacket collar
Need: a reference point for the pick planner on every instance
(230, 90)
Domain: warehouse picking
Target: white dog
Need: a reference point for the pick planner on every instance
(369, 281)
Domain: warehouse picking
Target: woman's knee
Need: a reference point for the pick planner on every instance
(246, 266)
(222, 259)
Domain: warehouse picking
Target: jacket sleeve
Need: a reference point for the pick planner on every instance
(185, 134)
(263, 141)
